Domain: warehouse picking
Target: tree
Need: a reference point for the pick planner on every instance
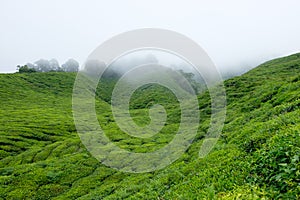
(196, 85)
(25, 69)
(42, 65)
(94, 67)
(71, 66)
(31, 66)
(54, 65)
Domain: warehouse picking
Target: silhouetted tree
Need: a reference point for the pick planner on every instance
(71, 66)
(42, 65)
(25, 69)
(54, 65)
(31, 66)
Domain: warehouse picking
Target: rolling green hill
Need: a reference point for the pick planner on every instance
(256, 157)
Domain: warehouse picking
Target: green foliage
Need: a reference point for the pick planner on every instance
(277, 164)
(257, 156)
(25, 69)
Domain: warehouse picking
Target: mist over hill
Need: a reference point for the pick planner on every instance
(257, 156)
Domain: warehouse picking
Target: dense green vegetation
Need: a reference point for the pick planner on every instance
(257, 156)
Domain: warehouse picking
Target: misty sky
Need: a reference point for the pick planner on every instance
(234, 33)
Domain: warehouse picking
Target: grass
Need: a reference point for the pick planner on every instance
(257, 156)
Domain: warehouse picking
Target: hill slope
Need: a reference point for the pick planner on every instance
(258, 155)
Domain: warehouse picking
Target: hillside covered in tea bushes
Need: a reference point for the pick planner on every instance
(256, 157)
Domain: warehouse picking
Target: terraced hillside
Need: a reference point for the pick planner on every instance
(257, 156)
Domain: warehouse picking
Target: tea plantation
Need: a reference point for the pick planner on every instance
(257, 156)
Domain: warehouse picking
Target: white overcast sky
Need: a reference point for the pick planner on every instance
(234, 33)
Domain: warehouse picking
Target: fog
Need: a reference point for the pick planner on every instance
(142, 57)
(237, 35)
